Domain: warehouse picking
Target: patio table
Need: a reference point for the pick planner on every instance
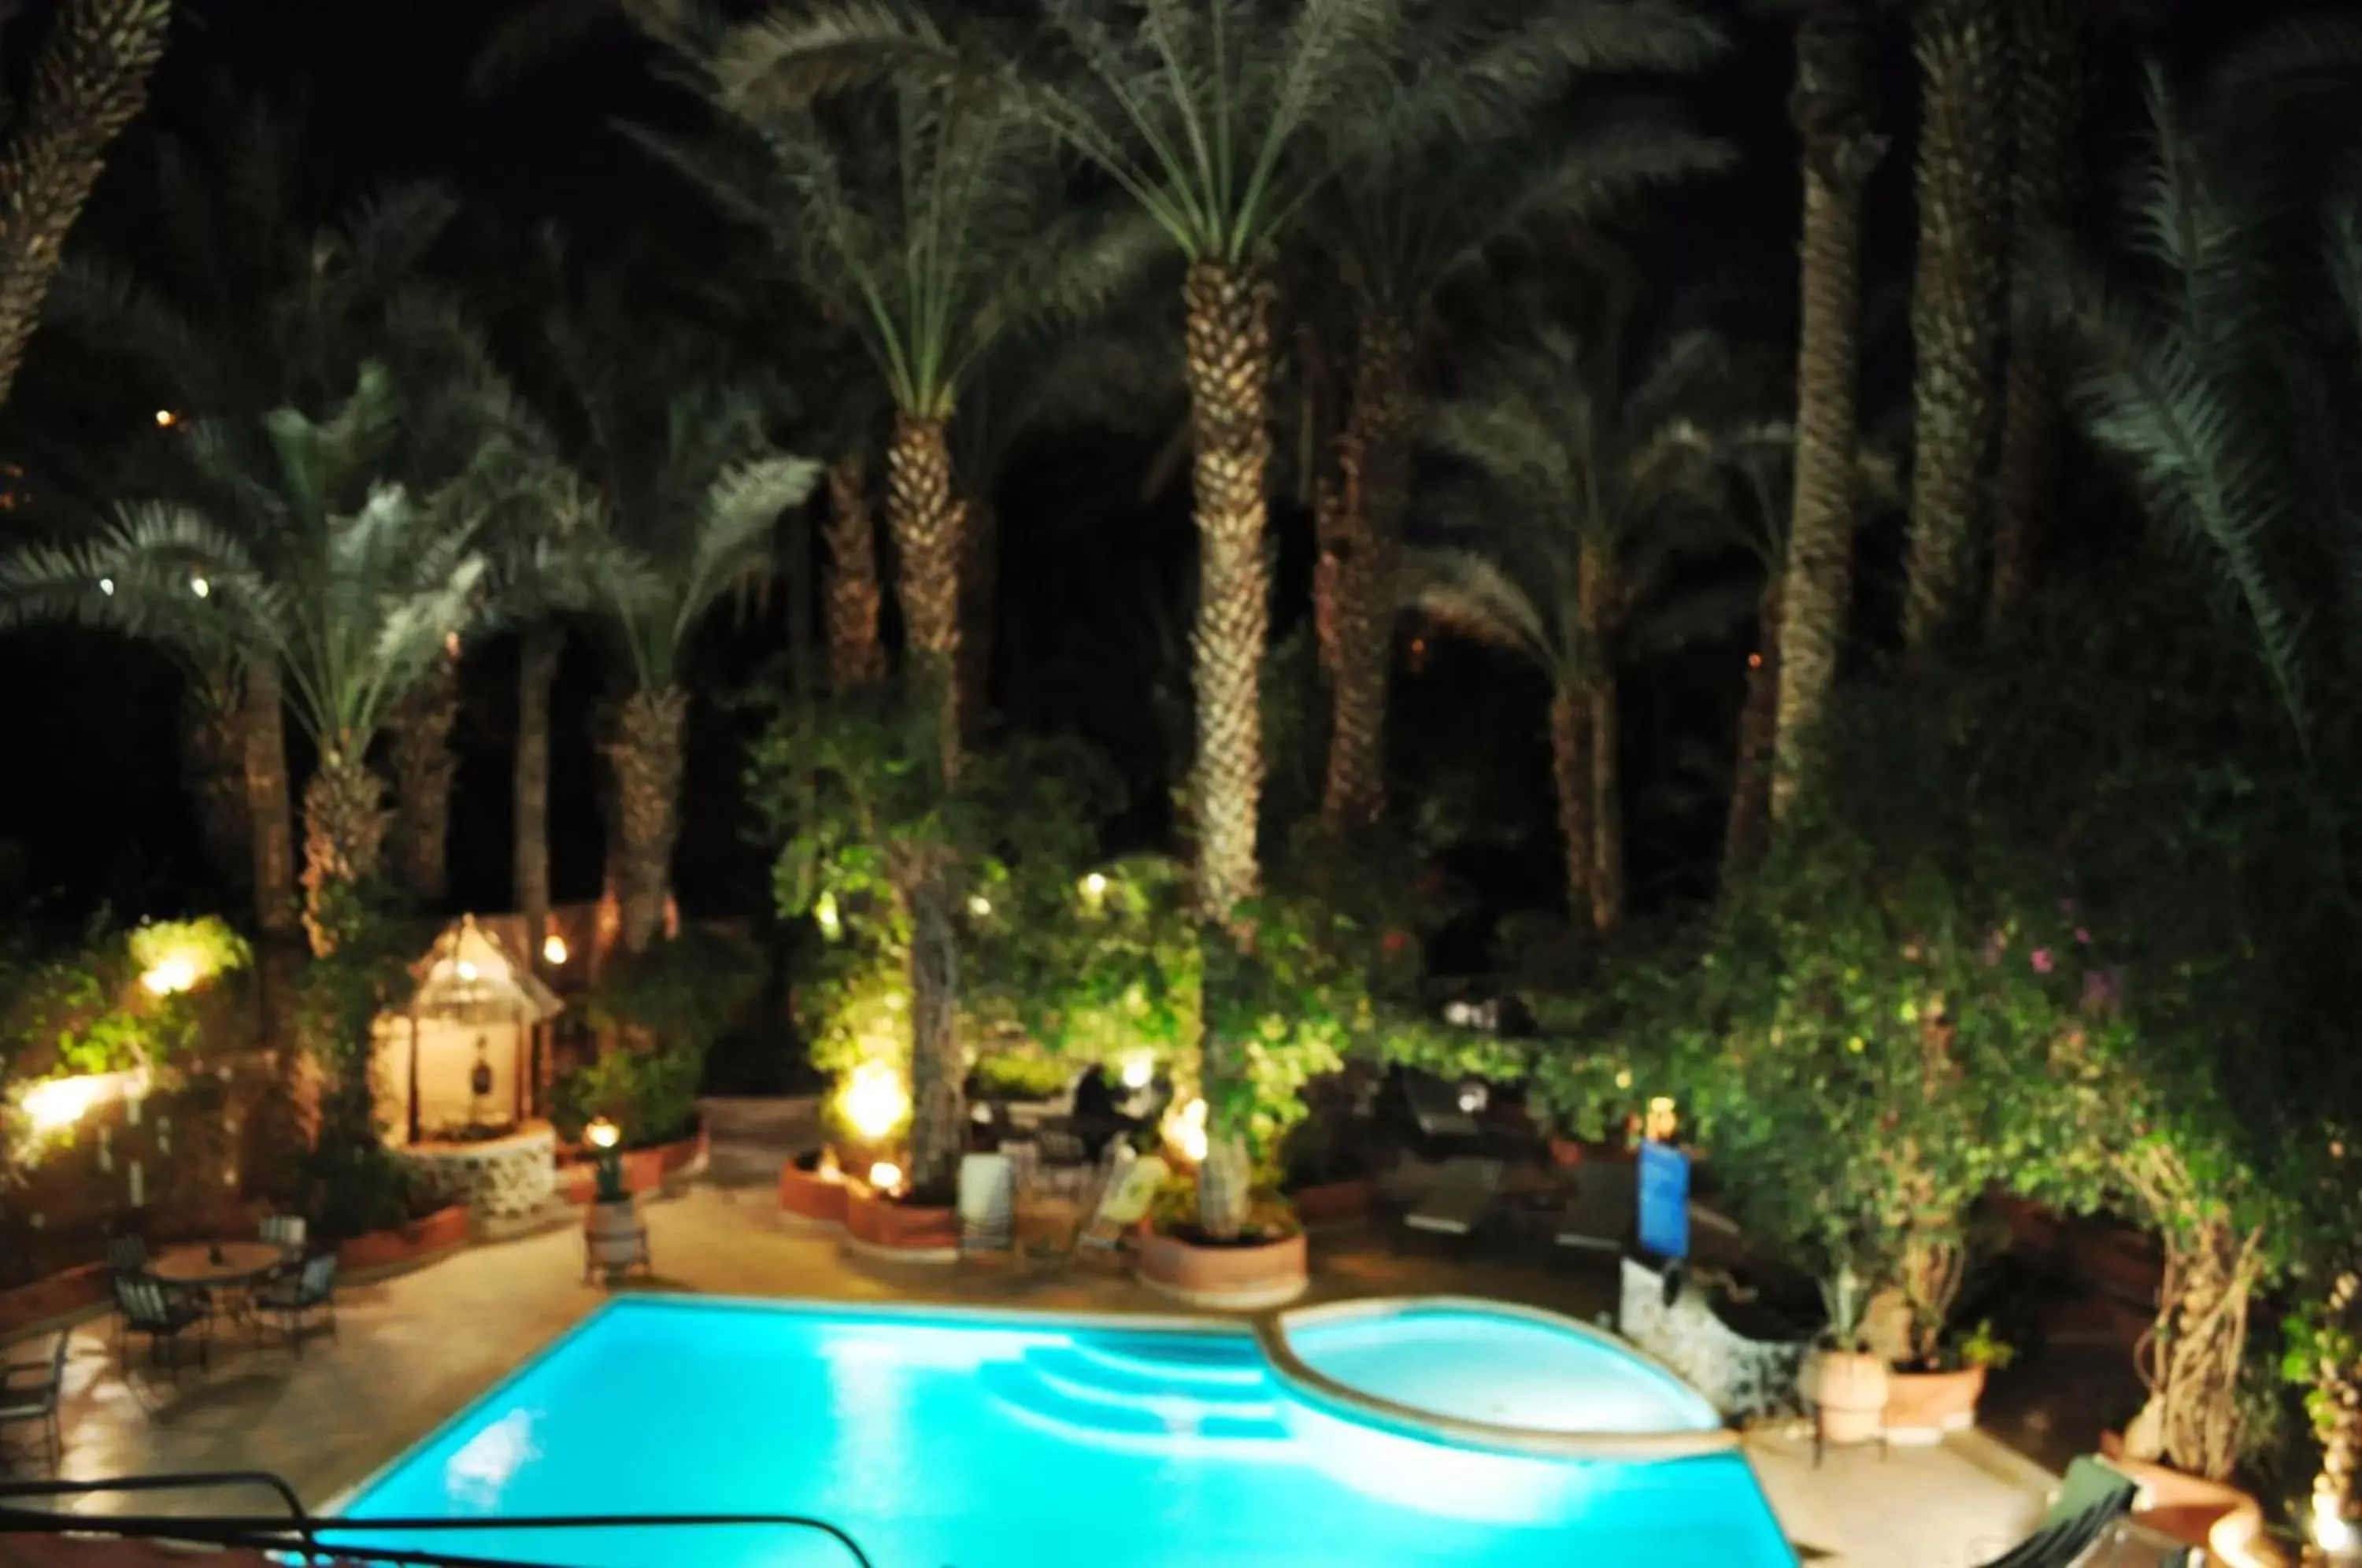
(231, 1269)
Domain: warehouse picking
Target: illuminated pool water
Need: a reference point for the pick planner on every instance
(946, 1439)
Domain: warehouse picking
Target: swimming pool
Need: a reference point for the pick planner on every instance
(957, 1439)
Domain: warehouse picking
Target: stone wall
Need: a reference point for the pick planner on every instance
(504, 1182)
(1742, 1377)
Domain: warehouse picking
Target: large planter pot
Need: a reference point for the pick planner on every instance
(614, 1240)
(1921, 1407)
(811, 1197)
(444, 1230)
(1334, 1205)
(1849, 1389)
(62, 1295)
(1242, 1278)
(903, 1232)
(2193, 1510)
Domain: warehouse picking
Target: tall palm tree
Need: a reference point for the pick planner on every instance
(303, 556)
(1583, 450)
(1835, 107)
(1472, 155)
(1959, 293)
(89, 80)
(419, 735)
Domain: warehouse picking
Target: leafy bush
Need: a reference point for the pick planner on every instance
(682, 993)
(651, 1095)
(357, 1187)
(1021, 1078)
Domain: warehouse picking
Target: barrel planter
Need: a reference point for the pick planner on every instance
(1334, 1205)
(1921, 1407)
(1849, 1389)
(75, 1291)
(901, 1232)
(1237, 1278)
(809, 1198)
(444, 1230)
(614, 1239)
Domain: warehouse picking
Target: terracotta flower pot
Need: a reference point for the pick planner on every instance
(442, 1231)
(1921, 1407)
(1849, 1389)
(809, 1196)
(1236, 1278)
(2192, 1510)
(1334, 1205)
(904, 1232)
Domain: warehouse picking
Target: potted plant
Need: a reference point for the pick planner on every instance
(1263, 1264)
(1924, 1401)
(1844, 1380)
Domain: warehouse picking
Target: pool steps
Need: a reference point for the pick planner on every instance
(1140, 1390)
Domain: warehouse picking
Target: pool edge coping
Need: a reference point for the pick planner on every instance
(1271, 1332)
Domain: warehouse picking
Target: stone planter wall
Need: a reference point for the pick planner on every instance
(444, 1230)
(66, 1294)
(1741, 1377)
(504, 1183)
(809, 1200)
(1236, 1279)
(902, 1232)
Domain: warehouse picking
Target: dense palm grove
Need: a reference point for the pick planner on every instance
(2035, 868)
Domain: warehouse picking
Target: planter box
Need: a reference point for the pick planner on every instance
(444, 1230)
(1334, 1205)
(904, 1232)
(808, 1197)
(644, 1170)
(1921, 1407)
(2214, 1515)
(1240, 1279)
(75, 1291)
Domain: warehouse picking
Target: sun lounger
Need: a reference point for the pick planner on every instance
(1599, 1216)
(1435, 1109)
(1455, 1205)
(1124, 1202)
(2094, 1504)
(987, 1203)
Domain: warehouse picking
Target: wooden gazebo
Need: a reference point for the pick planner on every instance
(471, 1048)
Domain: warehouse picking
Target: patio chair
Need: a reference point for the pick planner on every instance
(284, 1231)
(29, 1393)
(987, 1203)
(1464, 1191)
(293, 1298)
(144, 1306)
(1435, 1110)
(1123, 1201)
(2086, 1521)
(127, 1254)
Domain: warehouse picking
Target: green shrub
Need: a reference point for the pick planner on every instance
(651, 1095)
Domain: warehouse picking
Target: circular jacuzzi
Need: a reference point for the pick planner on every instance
(1500, 1374)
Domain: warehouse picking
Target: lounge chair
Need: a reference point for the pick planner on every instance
(293, 1299)
(1123, 1199)
(29, 1393)
(986, 1203)
(1435, 1111)
(2087, 1522)
(145, 1306)
(1456, 1204)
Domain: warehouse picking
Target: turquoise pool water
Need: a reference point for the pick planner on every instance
(943, 1439)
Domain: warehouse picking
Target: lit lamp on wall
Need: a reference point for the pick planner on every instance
(60, 1102)
(886, 1175)
(553, 951)
(171, 975)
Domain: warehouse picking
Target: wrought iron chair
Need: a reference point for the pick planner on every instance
(293, 1298)
(127, 1254)
(31, 1392)
(145, 1306)
(284, 1231)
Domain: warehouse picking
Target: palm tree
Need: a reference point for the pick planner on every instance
(1410, 215)
(1963, 47)
(89, 80)
(304, 557)
(1582, 453)
(1834, 105)
(419, 733)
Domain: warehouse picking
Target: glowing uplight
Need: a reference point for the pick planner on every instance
(1472, 1095)
(884, 1176)
(1094, 887)
(2333, 1533)
(1139, 1070)
(166, 419)
(172, 974)
(1661, 1123)
(825, 911)
(60, 1102)
(106, 586)
(200, 587)
(603, 1134)
(1185, 1130)
(465, 968)
(554, 950)
(979, 905)
(875, 1101)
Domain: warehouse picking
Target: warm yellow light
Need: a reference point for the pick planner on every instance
(166, 419)
(825, 911)
(106, 586)
(1661, 1122)
(603, 1134)
(1624, 1079)
(171, 975)
(60, 1102)
(884, 1176)
(466, 969)
(2332, 1534)
(874, 1101)
(1139, 1070)
(1095, 886)
(554, 950)
(979, 905)
(200, 587)
(1185, 1130)
(451, 644)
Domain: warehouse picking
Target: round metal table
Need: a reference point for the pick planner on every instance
(211, 1264)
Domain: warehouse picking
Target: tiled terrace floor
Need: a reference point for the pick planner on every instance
(415, 1348)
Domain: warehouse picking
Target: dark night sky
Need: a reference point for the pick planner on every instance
(91, 787)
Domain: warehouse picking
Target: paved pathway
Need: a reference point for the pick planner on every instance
(415, 1348)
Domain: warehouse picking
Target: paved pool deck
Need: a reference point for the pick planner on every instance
(416, 1347)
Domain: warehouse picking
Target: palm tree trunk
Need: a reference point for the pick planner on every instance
(270, 811)
(537, 656)
(648, 756)
(938, 1121)
(855, 656)
(1227, 346)
(420, 730)
(1373, 456)
(979, 586)
(1746, 828)
(345, 827)
(1572, 773)
(1956, 301)
(213, 765)
(2047, 82)
(1836, 93)
(1607, 803)
(925, 517)
(90, 78)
